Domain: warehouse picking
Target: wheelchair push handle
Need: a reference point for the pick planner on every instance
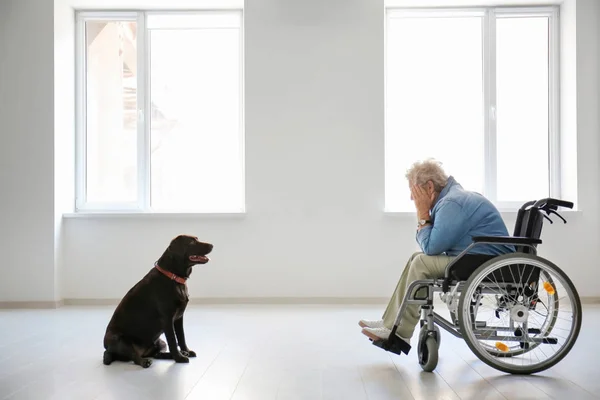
(550, 204)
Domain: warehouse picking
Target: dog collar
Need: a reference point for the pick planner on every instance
(170, 275)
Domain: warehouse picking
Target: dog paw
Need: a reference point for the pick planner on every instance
(189, 353)
(146, 362)
(181, 359)
(107, 358)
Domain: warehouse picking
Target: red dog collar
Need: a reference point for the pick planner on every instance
(170, 275)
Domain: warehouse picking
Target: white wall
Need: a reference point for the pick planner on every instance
(314, 173)
(64, 132)
(26, 151)
(314, 145)
(314, 165)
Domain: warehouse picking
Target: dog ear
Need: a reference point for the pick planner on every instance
(174, 241)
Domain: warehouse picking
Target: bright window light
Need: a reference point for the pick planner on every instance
(111, 111)
(161, 115)
(473, 89)
(434, 101)
(523, 103)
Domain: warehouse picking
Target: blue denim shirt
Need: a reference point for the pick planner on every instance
(456, 217)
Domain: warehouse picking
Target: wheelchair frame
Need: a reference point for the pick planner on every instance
(525, 246)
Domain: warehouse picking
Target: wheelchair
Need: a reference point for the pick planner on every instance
(518, 312)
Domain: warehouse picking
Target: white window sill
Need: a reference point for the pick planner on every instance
(242, 214)
(154, 215)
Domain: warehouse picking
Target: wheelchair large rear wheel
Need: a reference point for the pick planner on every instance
(530, 309)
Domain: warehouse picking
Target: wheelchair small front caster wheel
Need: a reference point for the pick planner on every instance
(428, 354)
(423, 334)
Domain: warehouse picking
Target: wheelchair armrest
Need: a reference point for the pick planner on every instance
(506, 240)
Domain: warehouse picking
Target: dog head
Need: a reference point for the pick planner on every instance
(183, 253)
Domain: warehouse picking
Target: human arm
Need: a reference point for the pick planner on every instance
(449, 226)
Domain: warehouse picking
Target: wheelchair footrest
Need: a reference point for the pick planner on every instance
(394, 345)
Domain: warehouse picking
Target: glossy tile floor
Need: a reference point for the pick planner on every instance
(267, 352)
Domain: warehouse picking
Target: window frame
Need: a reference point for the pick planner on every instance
(143, 200)
(489, 15)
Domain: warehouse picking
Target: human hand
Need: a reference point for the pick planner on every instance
(422, 200)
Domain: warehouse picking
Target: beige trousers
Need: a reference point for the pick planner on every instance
(419, 266)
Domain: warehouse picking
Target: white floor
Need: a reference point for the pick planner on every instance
(267, 352)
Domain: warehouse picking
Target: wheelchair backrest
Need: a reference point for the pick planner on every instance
(529, 224)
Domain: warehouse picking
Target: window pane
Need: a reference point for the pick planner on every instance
(196, 137)
(522, 108)
(111, 123)
(434, 101)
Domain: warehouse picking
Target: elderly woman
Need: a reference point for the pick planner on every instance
(448, 217)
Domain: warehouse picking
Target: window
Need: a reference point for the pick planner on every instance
(160, 118)
(474, 89)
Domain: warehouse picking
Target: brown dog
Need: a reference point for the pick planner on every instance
(155, 305)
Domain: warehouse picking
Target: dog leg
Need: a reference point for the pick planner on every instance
(109, 339)
(178, 325)
(111, 345)
(138, 357)
(159, 351)
(172, 342)
(122, 350)
(160, 345)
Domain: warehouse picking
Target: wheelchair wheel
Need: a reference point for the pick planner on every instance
(428, 353)
(527, 329)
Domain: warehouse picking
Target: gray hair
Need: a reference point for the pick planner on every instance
(422, 172)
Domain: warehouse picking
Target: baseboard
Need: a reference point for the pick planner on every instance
(248, 300)
(227, 301)
(590, 300)
(91, 302)
(292, 300)
(33, 305)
